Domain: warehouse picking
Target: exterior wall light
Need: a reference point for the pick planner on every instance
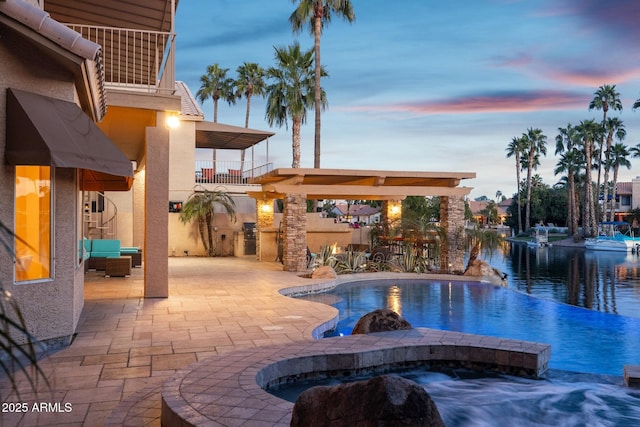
(265, 207)
(172, 121)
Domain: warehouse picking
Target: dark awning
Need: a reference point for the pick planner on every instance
(227, 137)
(51, 132)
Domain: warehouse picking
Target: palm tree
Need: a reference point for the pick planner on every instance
(516, 149)
(589, 132)
(570, 162)
(613, 126)
(636, 104)
(250, 82)
(535, 144)
(605, 98)
(317, 13)
(200, 207)
(292, 91)
(619, 157)
(216, 85)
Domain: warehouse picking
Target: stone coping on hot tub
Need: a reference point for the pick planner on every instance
(230, 390)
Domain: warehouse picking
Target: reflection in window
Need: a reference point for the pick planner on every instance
(33, 223)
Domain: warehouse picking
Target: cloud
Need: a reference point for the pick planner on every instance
(593, 77)
(237, 35)
(612, 17)
(518, 60)
(496, 102)
(575, 70)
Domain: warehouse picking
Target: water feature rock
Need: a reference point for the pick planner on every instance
(386, 400)
(324, 272)
(480, 268)
(381, 320)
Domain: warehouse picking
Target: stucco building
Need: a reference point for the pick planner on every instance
(98, 141)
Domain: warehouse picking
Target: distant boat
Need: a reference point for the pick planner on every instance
(614, 236)
(540, 238)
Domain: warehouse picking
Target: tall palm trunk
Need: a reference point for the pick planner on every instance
(296, 142)
(605, 108)
(573, 208)
(527, 215)
(589, 219)
(215, 120)
(246, 125)
(317, 93)
(518, 201)
(607, 158)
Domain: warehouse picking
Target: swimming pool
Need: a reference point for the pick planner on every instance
(581, 340)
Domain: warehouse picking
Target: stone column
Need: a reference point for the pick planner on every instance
(294, 221)
(452, 221)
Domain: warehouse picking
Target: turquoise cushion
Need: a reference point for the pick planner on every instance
(105, 245)
(108, 248)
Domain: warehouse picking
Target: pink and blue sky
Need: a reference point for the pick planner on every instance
(431, 86)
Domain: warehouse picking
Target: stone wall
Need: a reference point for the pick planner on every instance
(294, 225)
(452, 221)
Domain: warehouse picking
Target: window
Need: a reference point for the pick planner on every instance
(625, 201)
(33, 223)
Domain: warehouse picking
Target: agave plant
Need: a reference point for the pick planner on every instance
(409, 262)
(324, 257)
(351, 262)
(18, 347)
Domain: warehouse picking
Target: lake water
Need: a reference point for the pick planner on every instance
(608, 282)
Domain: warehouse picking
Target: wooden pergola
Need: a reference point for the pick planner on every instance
(317, 184)
(296, 185)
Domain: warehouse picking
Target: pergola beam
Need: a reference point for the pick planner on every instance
(364, 192)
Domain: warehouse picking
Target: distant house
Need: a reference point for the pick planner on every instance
(477, 208)
(627, 197)
(363, 214)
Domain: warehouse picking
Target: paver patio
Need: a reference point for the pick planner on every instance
(127, 346)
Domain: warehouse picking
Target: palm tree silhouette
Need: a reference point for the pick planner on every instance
(316, 14)
(292, 91)
(216, 85)
(535, 144)
(250, 82)
(516, 149)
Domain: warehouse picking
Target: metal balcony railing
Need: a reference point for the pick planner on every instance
(228, 172)
(134, 59)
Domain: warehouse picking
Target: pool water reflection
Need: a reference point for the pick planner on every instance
(581, 340)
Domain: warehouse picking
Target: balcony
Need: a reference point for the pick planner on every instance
(228, 172)
(137, 60)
